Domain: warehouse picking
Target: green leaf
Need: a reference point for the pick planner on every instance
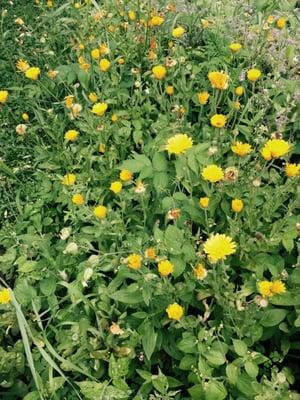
(232, 372)
(160, 382)
(188, 344)
(149, 340)
(84, 78)
(92, 390)
(179, 266)
(128, 295)
(24, 292)
(239, 347)
(118, 367)
(251, 369)
(215, 357)
(7, 171)
(27, 267)
(273, 317)
(136, 164)
(159, 162)
(160, 180)
(215, 390)
(48, 286)
(187, 362)
(196, 392)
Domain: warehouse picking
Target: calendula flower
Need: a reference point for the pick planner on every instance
(235, 47)
(278, 287)
(231, 174)
(103, 48)
(95, 54)
(241, 149)
(218, 120)
(174, 214)
(114, 118)
(32, 73)
(5, 296)
(218, 80)
(99, 109)
(71, 248)
(150, 253)
(69, 179)
(253, 74)
(204, 202)
(292, 170)
(237, 205)
(71, 135)
(159, 72)
(236, 105)
(121, 61)
(140, 188)
(52, 73)
(179, 144)
(101, 148)
(116, 187)
(25, 116)
(22, 65)
(134, 261)
(21, 129)
(218, 247)
(104, 65)
(270, 19)
(178, 32)
(205, 23)
(19, 21)
(156, 20)
(170, 90)
(281, 22)
(125, 175)
(78, 199)
(200, 272)
(3, 96)
(203, 97)
(76, 109)
(100, 211)
(264, 288)
(93, 97)
(212, 173)
(239, 91)
(275, 148)
(175, 311)
(165, 268)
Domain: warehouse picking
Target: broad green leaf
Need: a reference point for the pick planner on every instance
(232, 372)
(149, 340)
(128, 296)
(215, 357)
(273, 317)
(215, 390)
(159, 162)
(239, 347)
(251, 369)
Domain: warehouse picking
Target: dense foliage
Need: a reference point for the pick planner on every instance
(149, 200)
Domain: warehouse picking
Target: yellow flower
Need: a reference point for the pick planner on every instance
(100, 211)
(19, 21)
(275, 148)
(212, 173)
(179, 144)
(170, 90)
(22, 65)
(270, 19)
(77, 6)
(218, 80)
(116, 187)
(239, 91)
(71, 135)
(253, 74)
(101, 148)
(203, 97)
(236, 105)
(178, 32)
(69, 101)
(292, 170)
(52, 74)
(165, 268)
(237, 205)
(25, 116)
(114, 118)
(218, 247)
(218, 120)
(5, 296)
(103, 48)
(235, 47)
(21, 129)
(69, 179)
(125, 175)
(93, 97)
(205, 23)
(150, 253)
(131, 15)
(156, 20)
(200, 272)
(3, 96)
(99, 109)
(95, 54)
(241, 149)
(32, 73)
(264, 288)
(159, 72)
(104, 65)
(78, 199)
(134, 261)
(121, 61)
(280, 23)
(175, 311)
(278, 287)
(204, 202)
